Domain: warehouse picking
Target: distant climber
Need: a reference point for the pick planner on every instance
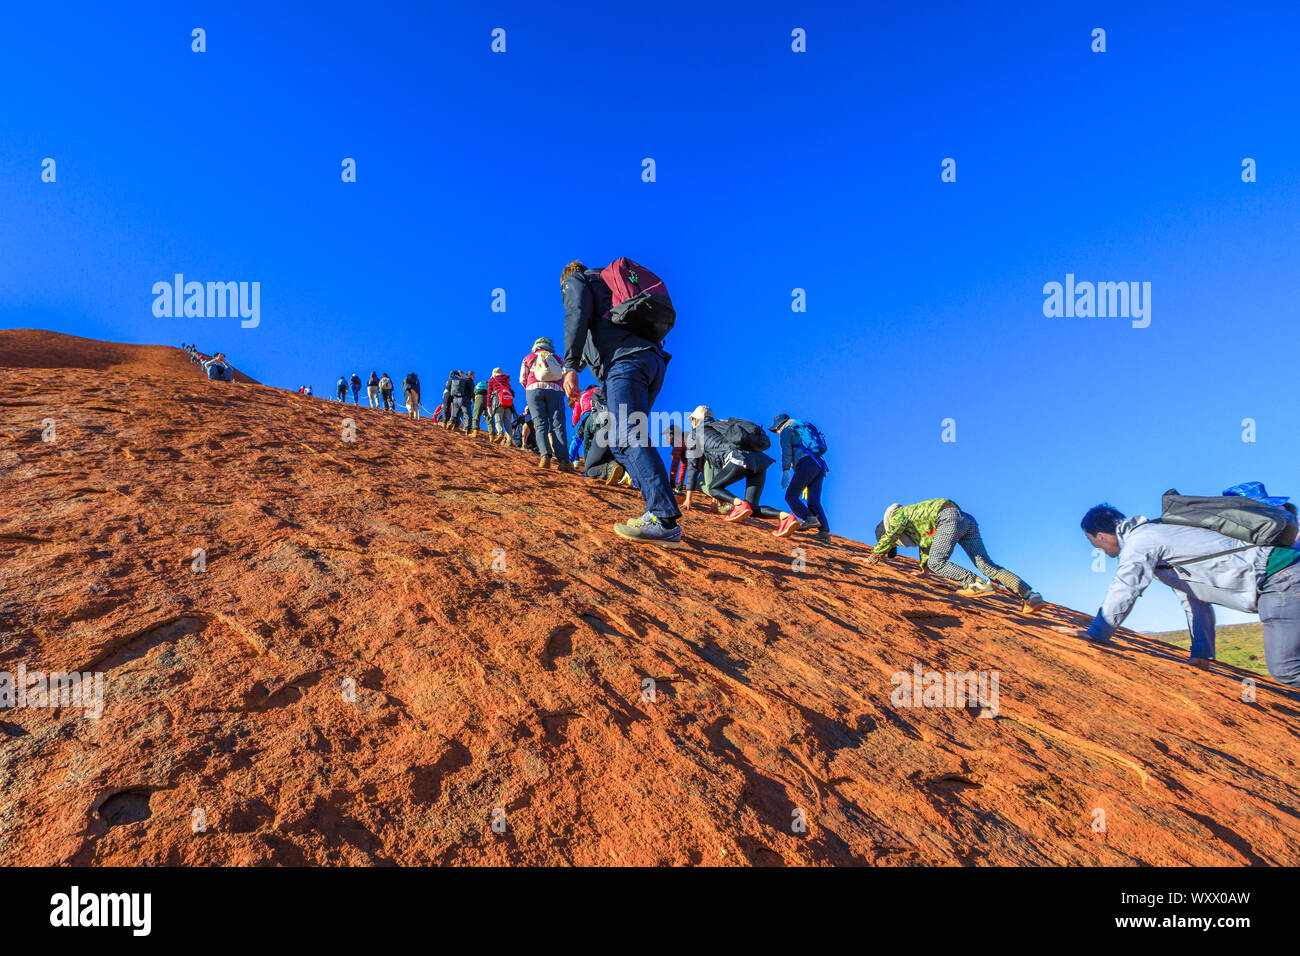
(411, 394)
(372, 389)
(480, 410)
(386, 392)
(541, 373)
(355, 381)
(218, 369)
(501, 405)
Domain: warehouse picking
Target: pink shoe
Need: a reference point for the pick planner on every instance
(739, 512)
(786, 527)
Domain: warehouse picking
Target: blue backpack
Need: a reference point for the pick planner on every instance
(810, 437)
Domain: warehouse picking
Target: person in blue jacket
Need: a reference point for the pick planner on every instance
(803, 468)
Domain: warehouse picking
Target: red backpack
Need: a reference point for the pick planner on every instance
(640, 300)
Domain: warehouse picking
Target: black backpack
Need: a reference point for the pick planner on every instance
(411, 381)
(1244, 519)
(743, 434)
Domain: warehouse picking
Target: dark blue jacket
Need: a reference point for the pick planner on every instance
(590, 339)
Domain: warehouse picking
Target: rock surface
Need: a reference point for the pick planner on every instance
(499, 640)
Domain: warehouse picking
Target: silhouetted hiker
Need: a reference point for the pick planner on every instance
(308, 392)
(735, 448)
(1205, 568)
(803, 466)
(541, 373)
(501, 405)
(466, 401)
(341, 386)
(461, 388)
(411, 394)
(356, 388)
(386, 392)
(619, 332)
(372, 389)
(936, 527)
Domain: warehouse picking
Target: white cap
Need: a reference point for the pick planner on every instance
(701, 413)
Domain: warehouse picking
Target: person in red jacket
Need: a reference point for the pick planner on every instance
(501, 405)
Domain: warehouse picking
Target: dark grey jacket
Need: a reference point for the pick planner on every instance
(720, 453)
(590, 339)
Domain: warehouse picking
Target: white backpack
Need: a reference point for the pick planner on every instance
(547, 367)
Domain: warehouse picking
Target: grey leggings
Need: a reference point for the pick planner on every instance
(954, 527)
(1279, 612)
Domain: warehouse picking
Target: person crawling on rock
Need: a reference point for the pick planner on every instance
(1205, 568)
(936, 527)
(734, 447)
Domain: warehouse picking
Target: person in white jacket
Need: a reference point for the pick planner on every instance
(1205, 568)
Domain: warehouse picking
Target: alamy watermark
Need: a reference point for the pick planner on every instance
(212, 300)
(963, 689)
(1102, 300)
(24, 688)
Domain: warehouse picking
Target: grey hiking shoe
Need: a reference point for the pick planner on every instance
(1033, 601)
(647, 530)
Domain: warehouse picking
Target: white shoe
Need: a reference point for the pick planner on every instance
(977, 588)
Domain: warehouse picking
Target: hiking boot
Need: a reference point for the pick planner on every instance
(1033, 601)
(544, 461)
(977, 588)
(787, 527)
(822, 535)
(808, 524)
(565, 467)
(648, 530)
(739, 512)
(615, 475)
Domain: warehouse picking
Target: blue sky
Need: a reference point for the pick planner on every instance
(775, 170)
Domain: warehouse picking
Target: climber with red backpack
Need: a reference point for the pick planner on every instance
(803, 467)
(501, 405)
(615, 321)
(541, 373)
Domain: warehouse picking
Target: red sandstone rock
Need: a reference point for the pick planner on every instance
(522, 690)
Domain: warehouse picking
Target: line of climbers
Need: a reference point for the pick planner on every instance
(615, 322)
(379, 391)
(1235, 550)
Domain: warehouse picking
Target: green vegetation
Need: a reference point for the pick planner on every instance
(1241, 645)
